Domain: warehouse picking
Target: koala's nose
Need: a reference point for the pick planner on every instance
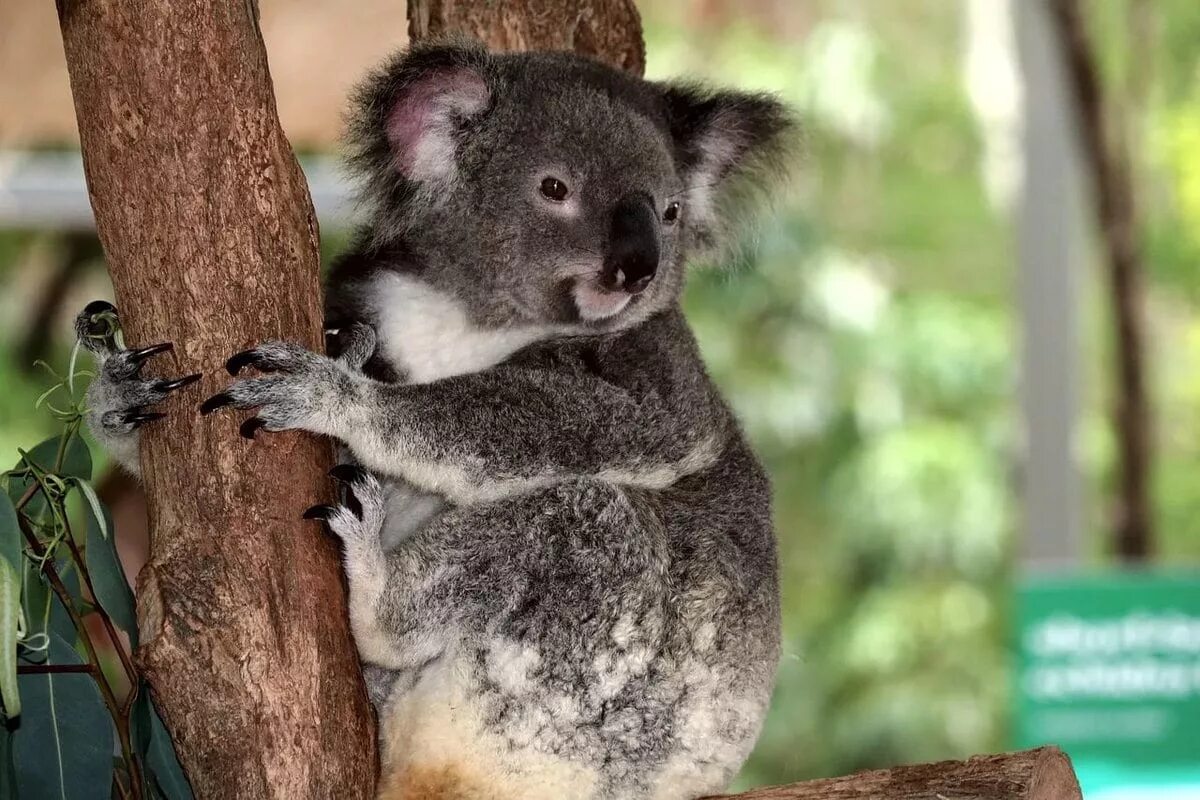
(633, 251)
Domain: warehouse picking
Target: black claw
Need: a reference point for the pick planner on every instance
(321, 512)
(238, 361)
(141, 354)
(99, 307)
(219, 400)
(251, 426)
(348, 473)
(179, 383)
(137, 418)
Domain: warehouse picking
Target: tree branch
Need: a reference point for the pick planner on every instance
(211, 242)
(1116, 216)
(1041, 774)
(610, 30)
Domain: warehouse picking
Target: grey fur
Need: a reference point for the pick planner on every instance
(562, 572)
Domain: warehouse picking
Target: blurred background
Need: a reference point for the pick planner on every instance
(975, 378)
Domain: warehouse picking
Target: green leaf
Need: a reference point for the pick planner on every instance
(11, 570)
(10, 613)
(77, 463)
(156, 749)
(63, 743)
(8, 769)
(44, 612)
(93, 501)
(108, 578)
(10, 534)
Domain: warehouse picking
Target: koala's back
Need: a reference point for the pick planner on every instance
(608, 640)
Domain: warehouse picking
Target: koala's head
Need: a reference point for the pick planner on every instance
(549, 189)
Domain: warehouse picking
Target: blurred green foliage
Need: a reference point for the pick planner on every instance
(867, 337)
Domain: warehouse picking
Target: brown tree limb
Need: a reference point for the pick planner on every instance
(1041, 774)
(610, 30)
(1107, 158)
(211, 242)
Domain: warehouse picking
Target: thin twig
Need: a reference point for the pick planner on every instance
(1120, 229)
(30, 491)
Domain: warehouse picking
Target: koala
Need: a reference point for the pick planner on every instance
(562, 573)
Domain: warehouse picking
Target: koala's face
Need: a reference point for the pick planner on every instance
(547, 189)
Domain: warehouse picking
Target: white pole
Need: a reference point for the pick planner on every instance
(1050, 250)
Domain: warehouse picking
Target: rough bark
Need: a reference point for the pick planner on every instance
(211, 242)
(1041, 774)
(1108, 162)
(610, 30)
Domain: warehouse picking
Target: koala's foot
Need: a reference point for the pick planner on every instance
(119, 400)
(358, 522)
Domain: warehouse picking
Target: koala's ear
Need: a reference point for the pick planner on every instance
(406, 117)
(727, 143)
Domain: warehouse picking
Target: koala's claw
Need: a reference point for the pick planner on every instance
(251, 427)
(179, 383)
(239, 361)
(137, 417)
(140, 355)
(321, 512)
(349, 474)
(218, 400)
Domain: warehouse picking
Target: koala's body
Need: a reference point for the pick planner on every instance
(562, 572)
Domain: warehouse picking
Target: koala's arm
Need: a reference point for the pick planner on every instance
(491, 434)
(487, 435)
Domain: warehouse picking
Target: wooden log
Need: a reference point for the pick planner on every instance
(609, 30)
(1044, 773)
(211, 243)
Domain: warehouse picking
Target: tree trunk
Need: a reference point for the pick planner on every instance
(211, 242)
(609, 30)
(1041, 774)
(1108, 163)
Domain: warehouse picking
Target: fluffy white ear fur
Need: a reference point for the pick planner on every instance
(420, 126)
(717, 149)
(724, 134)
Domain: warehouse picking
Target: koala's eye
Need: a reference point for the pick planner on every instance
(671, 214)
(554, 189)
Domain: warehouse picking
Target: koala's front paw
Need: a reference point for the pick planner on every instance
(358, 521)
(299, 389)
(119, 399)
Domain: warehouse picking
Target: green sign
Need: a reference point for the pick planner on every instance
(1109, 670)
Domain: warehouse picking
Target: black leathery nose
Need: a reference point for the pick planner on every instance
(633, 250)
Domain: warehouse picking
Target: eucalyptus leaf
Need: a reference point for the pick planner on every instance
(8, 770)
(156, 750)
(64, 739)
(10, 613)
(93, 501)
(44, 612)
(108, 578)
(77, 463)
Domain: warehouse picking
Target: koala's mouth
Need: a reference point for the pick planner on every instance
(596, 303)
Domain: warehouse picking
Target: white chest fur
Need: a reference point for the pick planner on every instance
(427, 333)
